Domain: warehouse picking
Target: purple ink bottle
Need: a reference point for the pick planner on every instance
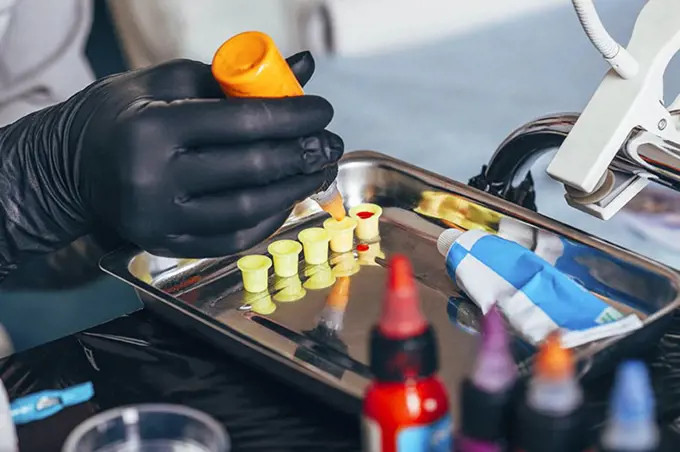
(487, 395)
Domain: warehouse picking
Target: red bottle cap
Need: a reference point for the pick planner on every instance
(401, 316)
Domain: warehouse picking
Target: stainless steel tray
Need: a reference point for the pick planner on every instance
(206, 296)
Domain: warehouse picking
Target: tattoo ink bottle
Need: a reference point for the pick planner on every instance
(406, 407)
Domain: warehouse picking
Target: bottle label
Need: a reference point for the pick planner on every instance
(434, 437)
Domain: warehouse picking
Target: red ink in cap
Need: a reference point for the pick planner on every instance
(365, 215)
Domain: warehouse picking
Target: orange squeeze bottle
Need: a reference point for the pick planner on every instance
(250, 65)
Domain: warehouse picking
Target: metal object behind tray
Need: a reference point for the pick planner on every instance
(642, 156)
(206, 296)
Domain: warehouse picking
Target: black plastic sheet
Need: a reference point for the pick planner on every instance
(140, 359)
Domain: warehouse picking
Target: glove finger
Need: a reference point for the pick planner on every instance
(254, 164)
(302, 64)
(242, 209)
(196, 247)
(200, 122)
(183, 79)
(189, 79)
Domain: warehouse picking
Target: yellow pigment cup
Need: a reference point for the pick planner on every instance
(255, 272)
(286, 254)
(260, 303)
(341, 233)
(319, 277)
(315, 242)
(367, 228)
(289, 289)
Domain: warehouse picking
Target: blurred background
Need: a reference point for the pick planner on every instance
(438, 83)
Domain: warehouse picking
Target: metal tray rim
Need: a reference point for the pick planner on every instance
(116, 263)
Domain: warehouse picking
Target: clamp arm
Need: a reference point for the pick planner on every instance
(622, 105)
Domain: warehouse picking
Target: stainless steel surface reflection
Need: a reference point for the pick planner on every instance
(206, 296)
(642, 156)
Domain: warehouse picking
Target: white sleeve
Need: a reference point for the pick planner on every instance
(5, 15)
(42, 59)
(153, 31)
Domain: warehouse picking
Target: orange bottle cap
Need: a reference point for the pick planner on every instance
(553, 362)
(250, 65)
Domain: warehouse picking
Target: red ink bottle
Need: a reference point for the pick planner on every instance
(406, 407)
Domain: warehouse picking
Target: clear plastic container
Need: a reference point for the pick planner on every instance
(149, 428)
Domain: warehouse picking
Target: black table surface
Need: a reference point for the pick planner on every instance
(141, 359)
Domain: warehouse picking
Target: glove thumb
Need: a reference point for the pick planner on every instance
(302, 64)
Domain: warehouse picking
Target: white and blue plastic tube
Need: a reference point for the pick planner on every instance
(534, 296)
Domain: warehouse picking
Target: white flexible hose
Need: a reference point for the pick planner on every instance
(617, 56)
(603, 42)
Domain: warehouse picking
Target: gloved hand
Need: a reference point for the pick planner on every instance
(162, 157)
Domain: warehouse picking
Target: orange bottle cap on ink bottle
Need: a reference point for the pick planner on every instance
(554, 362)
(250, 65)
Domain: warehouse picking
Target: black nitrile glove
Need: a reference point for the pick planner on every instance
(163, 158)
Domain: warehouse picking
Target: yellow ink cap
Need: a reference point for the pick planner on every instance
(260, 303)
(250, 65)
(286, 254)
(255, 272)
(341, 233)
(368, 220)
(315, 242)
(289, 289)
(319, 277)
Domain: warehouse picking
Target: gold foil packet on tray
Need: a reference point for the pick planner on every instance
(457, 212)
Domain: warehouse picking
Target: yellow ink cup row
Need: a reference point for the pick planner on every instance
(315, 243)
